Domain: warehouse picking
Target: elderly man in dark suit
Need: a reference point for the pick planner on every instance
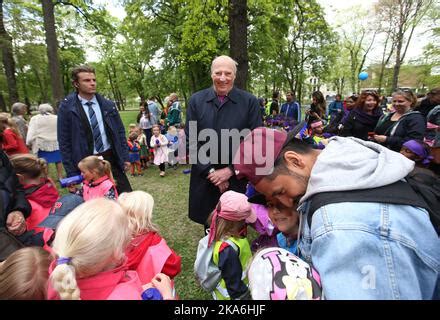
(220, 109)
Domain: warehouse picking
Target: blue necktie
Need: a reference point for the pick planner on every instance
(95, 128)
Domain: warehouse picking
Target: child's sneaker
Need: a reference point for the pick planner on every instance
(162, 173)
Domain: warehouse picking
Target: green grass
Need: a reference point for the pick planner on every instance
(170, 213)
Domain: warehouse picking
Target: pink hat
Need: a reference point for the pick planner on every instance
(232, 206)
(316, 124)
(257, 153)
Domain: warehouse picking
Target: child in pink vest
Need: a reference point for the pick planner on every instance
(89, 248)
(147, 252)
(98, 179)
(40, 190)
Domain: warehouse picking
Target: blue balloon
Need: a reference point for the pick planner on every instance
(363, 75)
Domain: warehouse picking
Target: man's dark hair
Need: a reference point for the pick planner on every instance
(275, 95)
(354, 97)
(291, 144)
(434, 91)
(79, 69)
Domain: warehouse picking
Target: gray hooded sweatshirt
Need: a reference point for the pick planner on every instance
(353, 164)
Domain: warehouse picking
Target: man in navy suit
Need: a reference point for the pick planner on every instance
(89, 124)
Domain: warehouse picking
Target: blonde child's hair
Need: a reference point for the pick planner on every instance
(29, 165)
(7, 121)
(24, 275)
(97, 164)
(226, 228)
(93, 237)
(131, 127)
(172, 130)
(139, 130)
(138, 206)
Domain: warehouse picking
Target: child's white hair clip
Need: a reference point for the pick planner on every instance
(100, 157)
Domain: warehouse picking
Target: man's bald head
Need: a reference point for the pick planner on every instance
(224, 59)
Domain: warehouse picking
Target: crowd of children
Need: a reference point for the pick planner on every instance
(101, 250)
(160, 149)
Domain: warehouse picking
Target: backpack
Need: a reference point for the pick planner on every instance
(206, 271)
(420, 190)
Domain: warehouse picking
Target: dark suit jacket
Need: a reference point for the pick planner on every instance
(75, 136)
(240, 111)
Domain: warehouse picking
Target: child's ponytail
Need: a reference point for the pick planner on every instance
(108, 170)
(64, 282)
(42, 163)
(29, 165)
(88, 240)
(97, 164)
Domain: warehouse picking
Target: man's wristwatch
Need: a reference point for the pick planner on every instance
(211, 170)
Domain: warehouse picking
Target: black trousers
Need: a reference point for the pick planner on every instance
(122, 183)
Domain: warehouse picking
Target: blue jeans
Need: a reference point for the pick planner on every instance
(372, 251)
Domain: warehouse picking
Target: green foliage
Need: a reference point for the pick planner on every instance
(290, 40)
(165, 46)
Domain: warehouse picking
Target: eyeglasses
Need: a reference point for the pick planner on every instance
(370, 92)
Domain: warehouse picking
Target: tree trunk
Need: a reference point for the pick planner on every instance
(115, 96)
(396, 70)
(387, 60)
(2, 103)
(238, 23)
(8, 59)
(43, 92)
(118, 92)
(52, 52)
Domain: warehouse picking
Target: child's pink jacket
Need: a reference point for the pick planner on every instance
(116, 284)
(41, 198)
(97, 188)
(149, 255)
